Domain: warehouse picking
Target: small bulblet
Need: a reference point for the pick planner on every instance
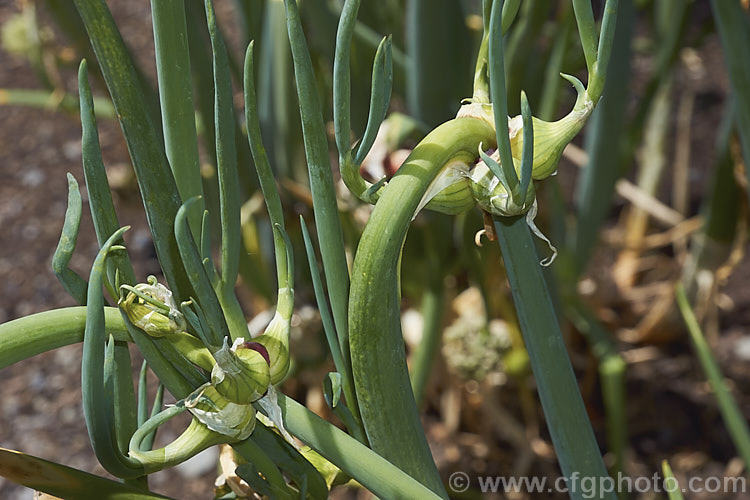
(242, 373)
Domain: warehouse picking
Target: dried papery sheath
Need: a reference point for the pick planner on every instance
(151, 307)
(270, 405)
(530, 217)
(242, 371)
(220, 415)
(479, 110)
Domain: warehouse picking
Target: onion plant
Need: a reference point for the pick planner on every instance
(191, 328)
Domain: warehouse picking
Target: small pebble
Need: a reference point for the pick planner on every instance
(200, 464)
(742, 348)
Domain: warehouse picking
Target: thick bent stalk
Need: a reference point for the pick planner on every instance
(31, 335)
(389, 412)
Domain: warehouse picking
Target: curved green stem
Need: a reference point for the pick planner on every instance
(31, 335)
(381, 379)
(192, 441)
(150, 425)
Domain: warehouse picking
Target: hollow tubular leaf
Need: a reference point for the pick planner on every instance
(263, 167)
(586, 32)
(380, 97)
(499, 104)
(342, 81)
(226, 155)
(217, 327)
(123, 395)
(330, 330)
(100, 199)
(320, 298)
(527, 154)
(176, 98)
(99, 416)
(604, 51)
(69, 279)
(157, 185)
(325, 206)
(229, 192)
(575, 445)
